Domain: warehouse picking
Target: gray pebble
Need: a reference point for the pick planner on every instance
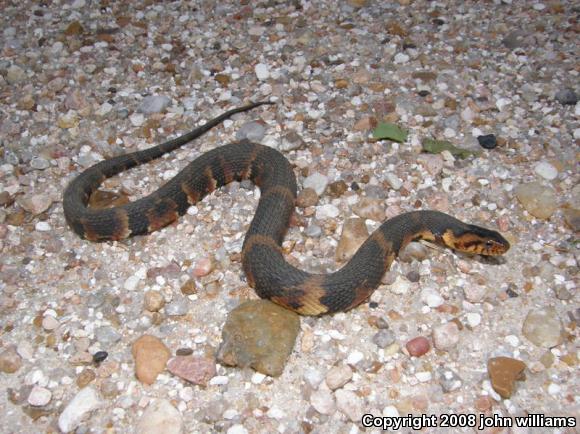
(39, 163)
(383, 338)
(107, 335)
(178, 307)
(253, 131)
(313, 231)
(154, 104)
(567, 96)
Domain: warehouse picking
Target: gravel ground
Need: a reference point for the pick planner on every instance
(85, 80)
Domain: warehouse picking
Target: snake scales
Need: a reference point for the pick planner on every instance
(263, 262)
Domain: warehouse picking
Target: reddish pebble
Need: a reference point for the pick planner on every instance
(203, 267)
(418, 346)
(196, 370)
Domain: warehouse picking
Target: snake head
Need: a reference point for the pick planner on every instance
(477, 240)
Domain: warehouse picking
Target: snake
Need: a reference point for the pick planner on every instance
(263, 262)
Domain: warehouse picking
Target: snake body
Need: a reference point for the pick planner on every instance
(262, 258)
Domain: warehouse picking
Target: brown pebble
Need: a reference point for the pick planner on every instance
(503, 373)
(10, 361)
(418, 346)
(150, 356)
(85, 377)
(184, 352)
(337, 188)
(306, 198)
(153, 301)
(341, 83)
(354, 233)
(483, 403)
(189, 287)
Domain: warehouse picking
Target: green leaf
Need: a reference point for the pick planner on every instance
(390, 131)
(437, 146)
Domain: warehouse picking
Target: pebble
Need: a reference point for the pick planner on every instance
(150, 355)
(349, 404)
(10, 361)
(160, 416)
(538, 200)
(337, 188)
(49, 323)
(567, 96)
(383, 338)
(154, 104)
(431, 297)
(35, 204)
(448, 379)
(237, 429)
(503, 373)
(446, 336)
(39, 163)
(313, 231)
(354, 233)
(488, 141)
(418, 346)
(84, 402)
(42, 227)
(15, 74)
(473, 319)
(432, 163)
(153, 301)
(546, 170)
(259, 334)
(393, 180)
(253, 131)
(307, 197)
(291, 141)
(317, 181)
(262, 71)
(413, 251)
(179, 306)
(137, 119)
(400, 286)
(338, 376)
(327, 211)
(323, 401)
(39, 396)
(543, 328)
(196, 370)
(86, 377)
(107, 335)
(370, 208)
(203, 266)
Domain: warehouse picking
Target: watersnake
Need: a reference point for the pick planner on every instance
(262, 258)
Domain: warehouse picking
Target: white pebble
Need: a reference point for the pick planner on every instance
(501, 103)
(431, 297)
(83, 403)
(258, 377)
(137, 119)
(400, 286)
(554, 389)
(237, 429)
(394, 181)
(354, 357)
(423, 376)
(219, 380)
(317, 182)
(262, 71)
(401, 58)
(39, 396)
(326, 211)
(390, 411)
(473, 319)
(42, 227)
(546, 170)
(131, 282)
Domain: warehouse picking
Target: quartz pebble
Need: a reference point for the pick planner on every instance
(546, 170)
(446, 336)
(338, 376)
(543, 327)
(349, 404)
(160, 417)
(39, 396)
(538, 200)
(323, 401)
(36, 204)
(317, 182)
(252, 131)
(262, 71)
(154, 104)
(83, 403)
